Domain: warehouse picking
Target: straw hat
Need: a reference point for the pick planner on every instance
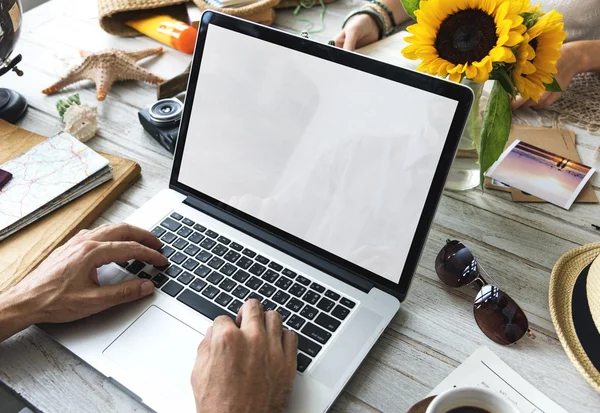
(575, 308)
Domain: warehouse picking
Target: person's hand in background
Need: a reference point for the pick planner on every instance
(576, 57)
(65, 286)
(360, 30)
(245, 366)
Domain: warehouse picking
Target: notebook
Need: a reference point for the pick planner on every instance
(46, 177)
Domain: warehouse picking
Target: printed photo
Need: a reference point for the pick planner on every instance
(541, 173)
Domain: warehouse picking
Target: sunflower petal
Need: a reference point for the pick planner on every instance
(435, 66)
(482, 75)
(410, 51)
(456, 69)
(486, 63)
(545, 66)
(488, 6)
(548, 54)
(517, 21)
(455, 77)
(528, 68)
(514, 39)
(471, 71)
(501, 54)
(501, 12)
(443, 69)
(422, 30)
(530, 52)
(426, 52)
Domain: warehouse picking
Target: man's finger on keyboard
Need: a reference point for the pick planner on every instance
(110, 295)
(252, 316)
(274, 328)
(224, 333)
(102, 253)
(289, 341)
(122, 232)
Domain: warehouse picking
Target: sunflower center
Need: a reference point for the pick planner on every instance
(466, 36)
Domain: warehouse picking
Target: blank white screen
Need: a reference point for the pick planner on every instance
(335, 156)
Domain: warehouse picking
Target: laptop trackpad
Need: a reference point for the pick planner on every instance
(155, 347)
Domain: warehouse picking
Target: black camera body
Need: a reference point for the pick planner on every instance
(161, 121)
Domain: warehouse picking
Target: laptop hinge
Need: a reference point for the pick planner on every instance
(282, 244)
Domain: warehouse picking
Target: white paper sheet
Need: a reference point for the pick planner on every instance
(484, 369)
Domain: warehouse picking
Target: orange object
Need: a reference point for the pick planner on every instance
(167, 30)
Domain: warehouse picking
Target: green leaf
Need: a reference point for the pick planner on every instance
(554, 86)
(505, 81)
(496, 128)
(530, 18)
(410, 6)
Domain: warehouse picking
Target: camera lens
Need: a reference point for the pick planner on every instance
(166, 110)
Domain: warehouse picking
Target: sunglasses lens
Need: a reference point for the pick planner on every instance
(498, 316)
(455, 265)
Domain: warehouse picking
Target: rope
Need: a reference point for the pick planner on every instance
(309, 4)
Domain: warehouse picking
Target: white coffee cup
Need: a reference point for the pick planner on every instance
(472, 397)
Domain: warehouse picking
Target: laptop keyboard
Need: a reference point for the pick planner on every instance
(214, 275)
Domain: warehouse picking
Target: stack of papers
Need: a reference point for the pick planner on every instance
(49, 175)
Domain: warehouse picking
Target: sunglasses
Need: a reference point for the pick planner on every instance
(497, 315)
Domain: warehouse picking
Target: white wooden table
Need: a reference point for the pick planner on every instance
(434, 330)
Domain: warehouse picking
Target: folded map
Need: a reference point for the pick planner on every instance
(46, 177)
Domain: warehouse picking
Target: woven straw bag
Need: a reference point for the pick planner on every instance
(114, 13)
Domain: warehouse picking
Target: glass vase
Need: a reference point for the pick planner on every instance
(464, 173)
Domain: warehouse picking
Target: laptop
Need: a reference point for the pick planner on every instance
(304, 176)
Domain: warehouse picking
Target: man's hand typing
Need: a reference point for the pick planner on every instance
(245, 366)
(65, 286)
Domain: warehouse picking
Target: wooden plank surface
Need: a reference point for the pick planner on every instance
(434, 330)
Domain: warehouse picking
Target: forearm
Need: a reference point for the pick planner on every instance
(17, 312)
(589, 52)
(397, 9)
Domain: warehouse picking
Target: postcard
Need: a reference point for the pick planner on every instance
(538, 172)
(559, 141)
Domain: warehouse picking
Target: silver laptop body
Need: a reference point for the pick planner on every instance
(304, 176)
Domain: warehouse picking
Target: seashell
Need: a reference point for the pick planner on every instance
(81, 121)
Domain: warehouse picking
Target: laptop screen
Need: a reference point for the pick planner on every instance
(337, 157)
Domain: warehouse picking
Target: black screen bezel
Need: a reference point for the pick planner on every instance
(310, 252)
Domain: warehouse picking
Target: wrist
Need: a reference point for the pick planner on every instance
(372, 15)
(15, 313)
(372, 22)
(578, 56)
(21, 307)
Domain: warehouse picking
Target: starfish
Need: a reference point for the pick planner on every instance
(106, 67)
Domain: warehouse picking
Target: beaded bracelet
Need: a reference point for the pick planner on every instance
(379, 19)
(387, 10)
(387, 23)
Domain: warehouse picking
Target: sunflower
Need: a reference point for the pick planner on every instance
(537, 56)
(465, 37)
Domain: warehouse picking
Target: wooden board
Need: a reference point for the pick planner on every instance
(23, 251)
